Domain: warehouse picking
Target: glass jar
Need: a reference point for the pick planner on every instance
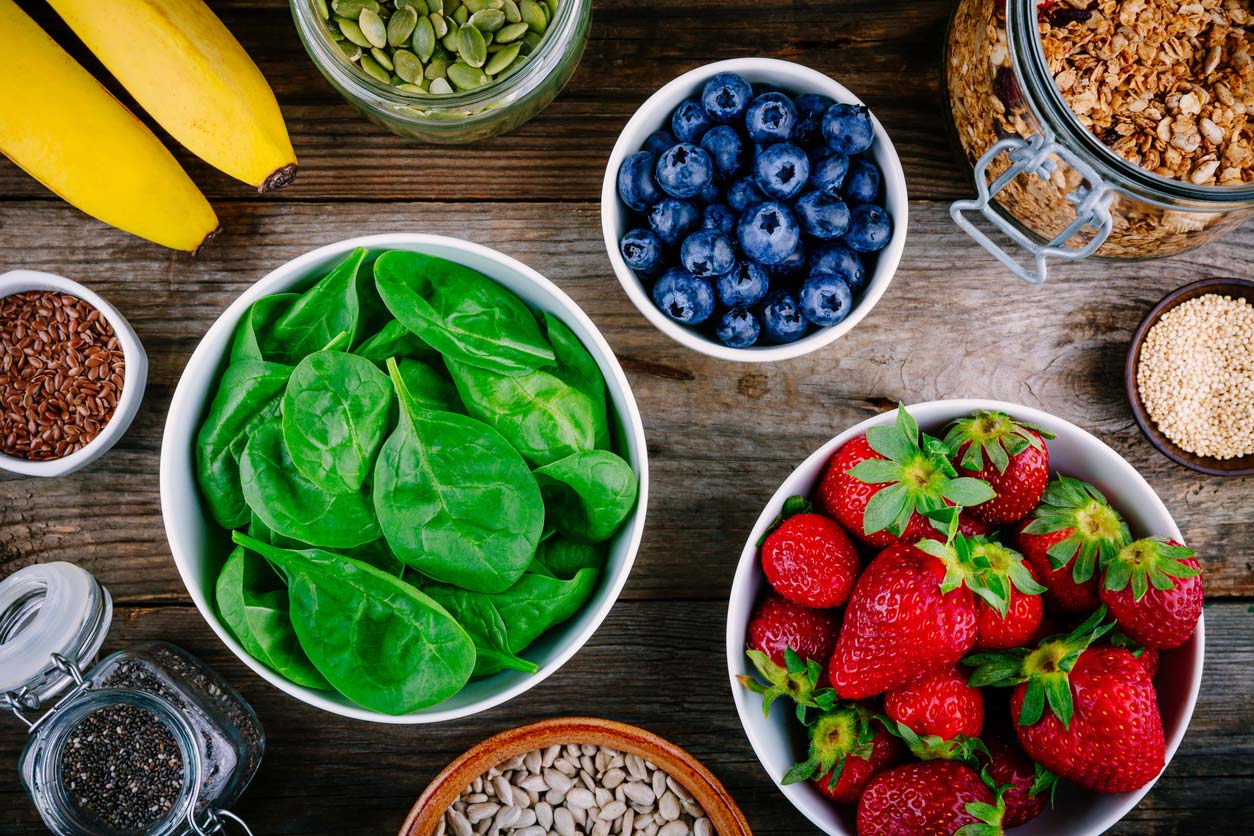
(148, 742)
(458, 117)
(1043, 179)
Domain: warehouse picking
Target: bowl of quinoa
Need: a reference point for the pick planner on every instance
(1190, 376)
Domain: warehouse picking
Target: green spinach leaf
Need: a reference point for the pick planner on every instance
(454, 500)
(377, 640)
(394, 340)
(252, 332)
(335, 414)
(429, 388)
(376, 552)
(461, 313)
(577, 367)
(588, 495)
(561, 557)
(326, 309)
(294, 506)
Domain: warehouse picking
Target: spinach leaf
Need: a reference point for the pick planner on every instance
(323, 311)
(454, 500)
(394, 340)
(253, 604)
(561, 557)
(247, 396)
(376, 552)
(577, 367)
(541, 415)
(527, 609)
(588, 495)
(377, 640)
(252, 332)
(295, 507)
(429, 388)
(335, 414)
(461, 313)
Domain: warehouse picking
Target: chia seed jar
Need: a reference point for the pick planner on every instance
(147, 741)
(1045, 180)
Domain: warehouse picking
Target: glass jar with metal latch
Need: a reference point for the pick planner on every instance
(147, 741)
(1044, 180)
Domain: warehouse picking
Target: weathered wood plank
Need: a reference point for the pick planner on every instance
(721, 435)
(357, 778)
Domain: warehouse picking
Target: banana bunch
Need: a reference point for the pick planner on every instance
(184, 68)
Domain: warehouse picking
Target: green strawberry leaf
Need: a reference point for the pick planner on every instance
(967, 492)
(1150, 561)
(793, 506)
(885, 510)
(876, 471)
(1043, 780)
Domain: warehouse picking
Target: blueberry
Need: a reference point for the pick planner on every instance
(738, 328)
(771, 118)
(683, 297)
(725, 97)
(671, 220)
(707, 253)
(689, 122)
(835, 259)
(709, 194)
(870, 228)
(782, 171)
(790, 266)
(862, 183)
(768, 232)
(684, 170)
(822, 216)
(642, 250)
(726, 151)
(782, 319)
(720, 217)
(848, 129)
(810, 110)
(743, 193)
(827, 173)
(745, 284)
(825, 300)
(636, 185)
(659, 141)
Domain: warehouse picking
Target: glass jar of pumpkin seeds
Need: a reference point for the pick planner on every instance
(445, 71)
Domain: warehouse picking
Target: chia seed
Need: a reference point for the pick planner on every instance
(122, 768)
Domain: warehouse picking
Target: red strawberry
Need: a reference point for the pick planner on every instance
(1154, 590)
(940, 704)
(810, 560)
(1086, 712)
(779, 624)
(847, 749)
(1013, 578)
(911, 613)
(1009, 455)
(879, 486)
(1028, 784)
(1147, 656)
(933, 798)
(1071, 536)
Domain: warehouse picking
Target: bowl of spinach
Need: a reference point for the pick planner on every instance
(404, 478)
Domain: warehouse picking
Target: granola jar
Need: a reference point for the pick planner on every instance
(146, 742)
(1052, 186)
(460, 117)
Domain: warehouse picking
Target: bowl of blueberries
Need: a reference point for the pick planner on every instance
(754, 210)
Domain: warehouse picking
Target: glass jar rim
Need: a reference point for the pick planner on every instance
(1050, 108)
(527, 77)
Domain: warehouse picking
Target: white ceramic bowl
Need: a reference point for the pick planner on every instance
(1074, 452)
(200, 546)
(134, 379)
(655, 113)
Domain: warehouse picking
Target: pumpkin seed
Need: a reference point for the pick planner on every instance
(461, 15)
(552, 7)
(435, 7)
(385, 60)
(437, 69)
(353, 32)
(373, 27)
(488, 20)
(482, 5)
(534, 16)
(351, 50)
(466, 77)
(512, 14)
(419, 7)
(471, 46)
(401, 26)
(439, 87)
(320, 6)
(424, 39)
(531, 40)
(438, 24)
(510, 32)
(407, 65)
(502, 59)
(372, 68)
(449, 41)
(406, 87)
(352, 8)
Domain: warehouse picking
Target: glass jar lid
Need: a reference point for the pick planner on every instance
(48, 611)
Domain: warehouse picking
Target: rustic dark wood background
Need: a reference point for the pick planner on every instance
(721, 435)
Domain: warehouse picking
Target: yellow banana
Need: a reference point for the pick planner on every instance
(64, 129)
(187, 70)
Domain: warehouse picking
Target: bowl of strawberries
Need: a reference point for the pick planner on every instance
(965, 614)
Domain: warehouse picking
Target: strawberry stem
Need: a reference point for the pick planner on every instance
(1149, 562)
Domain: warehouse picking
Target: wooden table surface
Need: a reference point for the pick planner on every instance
(721, 436)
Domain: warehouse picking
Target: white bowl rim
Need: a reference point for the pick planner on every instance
(134, 376)
(751, 709)
(300, 266)
(676, 91)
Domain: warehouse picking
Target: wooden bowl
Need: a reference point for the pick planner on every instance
(683, 767)
(1236, 288)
